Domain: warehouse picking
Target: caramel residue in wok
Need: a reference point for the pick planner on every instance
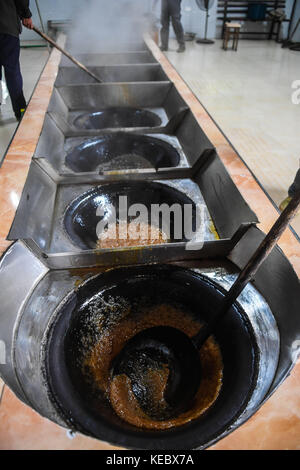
(118, 390)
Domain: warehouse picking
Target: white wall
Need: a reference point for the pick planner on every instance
(199, 17)
(51, 10)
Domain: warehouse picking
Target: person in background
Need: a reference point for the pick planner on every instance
(293, 189)
(171, 11)
(12, 13)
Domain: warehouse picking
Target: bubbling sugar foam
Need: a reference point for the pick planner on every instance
(131, 234)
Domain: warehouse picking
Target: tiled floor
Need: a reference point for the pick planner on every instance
(32, 63)
(21, 428)
(248, 93)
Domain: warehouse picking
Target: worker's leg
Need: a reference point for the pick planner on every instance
(10, 60)
(295, 187)
(175, 9)
(165, 24)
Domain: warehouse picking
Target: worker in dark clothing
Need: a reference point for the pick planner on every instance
(12, 13)
(171, 11)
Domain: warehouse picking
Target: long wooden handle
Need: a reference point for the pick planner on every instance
(266, 245)
(251, 268)
(75, 61)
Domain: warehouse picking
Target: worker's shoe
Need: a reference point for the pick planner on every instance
(20, 114)
(285, 203)
(163, 48)
(181, 48)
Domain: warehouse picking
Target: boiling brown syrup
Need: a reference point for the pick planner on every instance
(118, 390)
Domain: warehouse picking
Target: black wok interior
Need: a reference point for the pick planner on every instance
(80, 220)
(92, 414)
(117, 117)
(121, 151)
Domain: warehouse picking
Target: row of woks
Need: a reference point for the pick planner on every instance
(136, 138)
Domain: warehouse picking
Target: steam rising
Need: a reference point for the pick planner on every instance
(109, 25)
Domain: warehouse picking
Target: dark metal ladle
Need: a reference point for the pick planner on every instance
(168, 345)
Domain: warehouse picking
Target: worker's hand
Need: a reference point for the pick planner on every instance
(27, 22)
